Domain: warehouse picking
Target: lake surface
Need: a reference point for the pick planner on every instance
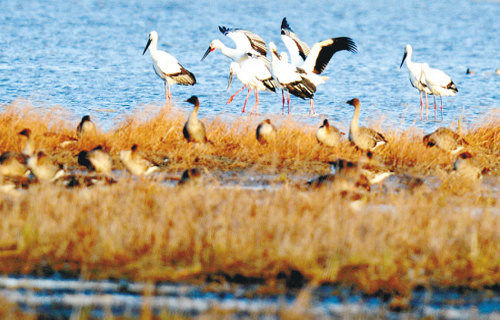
(57, 298)
(86, 56)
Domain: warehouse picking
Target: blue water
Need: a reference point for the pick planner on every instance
(86, 56)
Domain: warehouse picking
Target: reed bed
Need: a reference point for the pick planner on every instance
(147, 231)
(234, 146)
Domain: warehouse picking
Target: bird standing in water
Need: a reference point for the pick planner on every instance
(167, 67)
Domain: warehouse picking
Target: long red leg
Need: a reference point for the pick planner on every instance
(421, 106)
(256, 102)
(441, 108)
(234, 95)
(283, 94)
(288, 95)
(244, 106)
(427, 106)
(435, 107)
(311, 106)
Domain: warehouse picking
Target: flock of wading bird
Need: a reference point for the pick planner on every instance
(253, 69)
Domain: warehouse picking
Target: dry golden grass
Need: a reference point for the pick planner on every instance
(147, 231)
(143, 230)
(234, 144)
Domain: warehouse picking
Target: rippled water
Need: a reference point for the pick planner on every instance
(86, 55)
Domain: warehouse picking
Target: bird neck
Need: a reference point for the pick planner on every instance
(153, 48)
(355, 119)
(193, 117)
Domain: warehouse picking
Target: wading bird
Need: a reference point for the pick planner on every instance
(414, 73)
(364, 138)
(167, 67)
(255, 74)
(245, 41)
(439, 83)
(290, 78)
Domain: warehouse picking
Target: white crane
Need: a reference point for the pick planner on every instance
(245, 41)
(414, 72)
(289, 77)
(439, 83)
(254, 73)
(167, 67)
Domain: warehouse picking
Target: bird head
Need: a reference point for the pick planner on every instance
(353, 102)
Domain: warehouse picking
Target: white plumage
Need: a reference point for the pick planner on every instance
(167, 67)
(298, 49)
(438, 82)
(290, 77)
(414, 73)
(255, 74)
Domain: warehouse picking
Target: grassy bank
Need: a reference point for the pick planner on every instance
(447, 235)
(234, 145)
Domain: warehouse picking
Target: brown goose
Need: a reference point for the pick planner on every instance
(136, 164)
(328, 135)
(194, 129)
(85, 127)
(29, 149)
(468, 167)
(445, 139)
(44, 167)
(190, 176)
(266, 132)
(368, 166)
(363, 138)
(13, 164)
(341, 182)
(97, 159)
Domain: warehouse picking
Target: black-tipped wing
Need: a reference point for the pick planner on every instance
(302, 47)
(184, 77)
(323, 51)
(245, 40)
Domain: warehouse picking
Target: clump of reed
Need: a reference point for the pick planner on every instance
(150, 232)
(234, 147)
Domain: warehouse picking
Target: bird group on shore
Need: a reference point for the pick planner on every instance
(300, 77)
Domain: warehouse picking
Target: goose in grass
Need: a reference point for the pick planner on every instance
(135, 163)
(29, 148)
(97, 159)
(85, 127)
(14, 164)
(445, 139)
(328, 135)
(190, 176)
(167, 67)
(467, 167)
(194, 129)
(363, 138)
(368, 165)
(266, 132)
(44, 167)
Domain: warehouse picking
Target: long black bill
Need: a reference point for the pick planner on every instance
(147, 46)
(206, 53)
(404, 57)
(230, 80)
